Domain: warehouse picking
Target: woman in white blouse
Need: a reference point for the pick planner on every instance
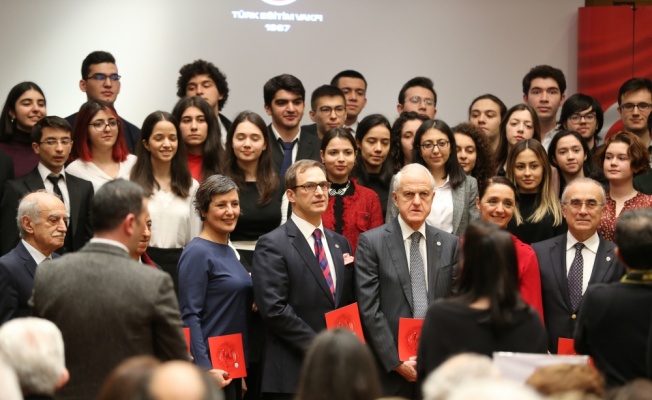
(99, 151)
(163, 171)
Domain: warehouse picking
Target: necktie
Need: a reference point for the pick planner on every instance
(575, 277)
(323, 261)
(287, 155)
(54, 179)
(418, 278)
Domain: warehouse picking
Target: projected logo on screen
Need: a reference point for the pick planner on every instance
(279, 2)
(280, 21)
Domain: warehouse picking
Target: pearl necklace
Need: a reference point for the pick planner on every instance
(339, 192)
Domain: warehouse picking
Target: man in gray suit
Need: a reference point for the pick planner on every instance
(107, 306)
(566, 272)
(398, 274)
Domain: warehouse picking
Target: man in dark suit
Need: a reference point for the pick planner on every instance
(299, 274)
(108, 306)
(42, 218)
(52, 141)
(100, 81)
(582, 203)
(614, 326)
(397, 275)
(284, 102)
(328, 110)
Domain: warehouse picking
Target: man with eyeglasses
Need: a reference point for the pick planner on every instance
(328, 110)
(571, 262)
(300, 271)
(418, 95)
(583, 114)
(52, 141)
(100, 81)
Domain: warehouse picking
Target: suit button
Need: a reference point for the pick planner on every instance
(574, 316)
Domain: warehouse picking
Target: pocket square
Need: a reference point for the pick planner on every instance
(348, 259)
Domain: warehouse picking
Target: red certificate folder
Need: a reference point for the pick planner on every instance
(409, 332)
(347, 317)
(186, 334)
(227, 353)
(566, 347)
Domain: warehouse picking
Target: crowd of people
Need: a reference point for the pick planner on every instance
(516, 231)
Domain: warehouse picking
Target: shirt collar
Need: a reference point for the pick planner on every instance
(407, 231)
(305, 227)
(44, 172)
(111, 243)
(591, 243)
(36, 255)
(279, 136)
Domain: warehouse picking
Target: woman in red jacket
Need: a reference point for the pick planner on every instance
(352, 208)
(497, 204)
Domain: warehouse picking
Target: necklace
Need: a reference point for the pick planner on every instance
(339, 192)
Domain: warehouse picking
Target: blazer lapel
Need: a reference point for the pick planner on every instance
(305, 146)
(75, 202)
(33, 181)
(558, 262)
(28, 261)
(396, 249)
(604, 262)
(277, 155)
(338, 260)
(458, 206)
(433, 249)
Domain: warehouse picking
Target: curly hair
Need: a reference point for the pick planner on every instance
(639, 155)
(201, 67)
(484, 164)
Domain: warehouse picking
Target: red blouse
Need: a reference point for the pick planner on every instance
(529, 278)
(194, 165)
(607, 227)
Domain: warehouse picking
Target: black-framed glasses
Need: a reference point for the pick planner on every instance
(102, 77)
(417, 100)
(310, 187)
(441, 144)
(53, 142)
(575, 118)
(641, 106)
(326, 111)
(101, 125)
(577, 204)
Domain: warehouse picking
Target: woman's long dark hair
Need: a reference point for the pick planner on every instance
(489, 270)
(589, 168)
(7, 126)
(396, 150)
(503, 145)
(484, 164)
(267, 179)
(142, 172)
(454, 170)
(360, 171)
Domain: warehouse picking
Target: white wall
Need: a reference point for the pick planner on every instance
(468, 47)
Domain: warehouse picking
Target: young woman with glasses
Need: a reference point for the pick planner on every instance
(99, 150)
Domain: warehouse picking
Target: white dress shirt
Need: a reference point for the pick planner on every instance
(589, 252)
(36, 255)
(49, 187)
(441, 212)
(407, 242)
(295, 148)
(307, 229)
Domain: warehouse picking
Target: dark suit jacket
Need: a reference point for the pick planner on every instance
(108, 308)
(308, 148)
(131, 131)
(6, 171)
(558, 314)
(80, 192)
(226, 122)
(384, 290)
(17, 269)
(311, 129)
(292, 297)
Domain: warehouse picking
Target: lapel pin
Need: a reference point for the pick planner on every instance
(438, 243)
(608, 258)
(337, 246)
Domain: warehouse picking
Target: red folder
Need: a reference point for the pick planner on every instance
(227, 353)
(347, 317)
(566, 347)
(409, 332)
(186, 334)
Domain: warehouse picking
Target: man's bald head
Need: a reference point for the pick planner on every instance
(180, 380)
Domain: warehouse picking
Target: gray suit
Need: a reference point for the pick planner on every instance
(384, 291)
(108, 308)
(558, 314)
(464, 208)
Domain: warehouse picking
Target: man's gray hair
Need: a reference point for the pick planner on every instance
(34, 348)
(28, 207)
(491, 389)
(454, 372)
(9, 389)
(584, 180)
(408, 170)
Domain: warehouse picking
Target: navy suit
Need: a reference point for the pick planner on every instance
(559, 316)
(308, 148)
(131, 131)
(17, 269)
(292, 296)
(80, 193)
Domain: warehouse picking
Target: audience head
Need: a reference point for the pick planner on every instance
(635, 104)
(218, 204)
(52, 141)
(543, 89)
(42, 221)
(338, 356)
(34, 348)
(583, 114)
(338, 151)
(497, 201)
(456, 371)
(634, 238)
(24, 107)
(418, 95)
(285, 101)
(143, 243)
(491, 389)
(520, 122)
(328, 108)
(638, 389)
(527, 166)
(582, 202)
(622, 157)
(570, 154)
(486, 112)
(202, 78)
(98, 127)
(435, 148)
(414, 189)
(354, 87)
(373, 138)
(403, 131)
(119, 212)
(99, 77)
(307, 190)
(181, 380)
(129, 380)
(560, 378)
(474, 153)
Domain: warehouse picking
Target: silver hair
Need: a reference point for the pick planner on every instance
(410, 169)
(492, 389)
(34, 348)
(584, 180)
(28, 207)
(214, 184)
(9, 389)
(454, 372)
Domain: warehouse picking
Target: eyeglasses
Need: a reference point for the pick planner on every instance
(310, 187)
(641, 106)
(575, 118)
(102, 77)
(589, 204)
(54, 142)
(101, 125)
(326, 111)
(441, 144)
(416, 100)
